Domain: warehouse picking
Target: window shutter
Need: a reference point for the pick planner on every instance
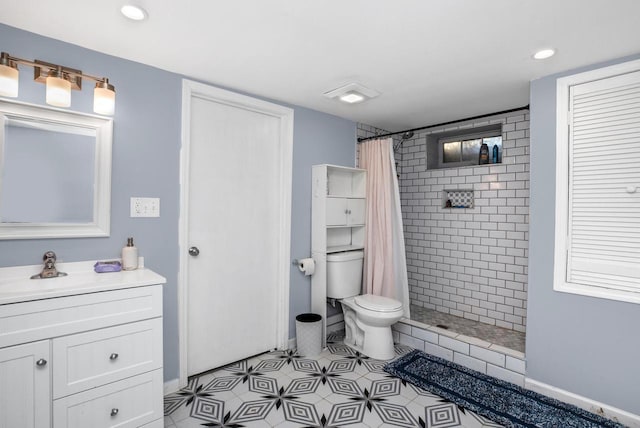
(603, 246)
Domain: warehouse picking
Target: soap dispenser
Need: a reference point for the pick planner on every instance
(130, 256)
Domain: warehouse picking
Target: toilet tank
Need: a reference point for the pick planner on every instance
(344, 274)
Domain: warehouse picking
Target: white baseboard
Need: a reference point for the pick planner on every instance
(292, 343)
(171, 386)
(605, 410)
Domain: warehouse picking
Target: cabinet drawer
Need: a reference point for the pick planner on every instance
(90, 359)
(357, 210)
(129, 403)
(43, 319)
(336, 214)
(345, 211)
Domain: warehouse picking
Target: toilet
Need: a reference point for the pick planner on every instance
(367, 318)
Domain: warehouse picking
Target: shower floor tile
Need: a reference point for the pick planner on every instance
(497, 335)
(339, 387)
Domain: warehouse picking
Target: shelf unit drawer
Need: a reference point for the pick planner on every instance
(129, 403)
(90, 359)
(43, 319)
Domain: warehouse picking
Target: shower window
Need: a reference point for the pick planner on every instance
(465, 150)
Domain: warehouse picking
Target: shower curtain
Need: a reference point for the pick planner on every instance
(385, 264)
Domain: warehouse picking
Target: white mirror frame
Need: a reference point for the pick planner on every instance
(103, 126)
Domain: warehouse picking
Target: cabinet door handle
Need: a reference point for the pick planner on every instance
(348, 211)
(41, 362)
(113, 356)
(114, 412)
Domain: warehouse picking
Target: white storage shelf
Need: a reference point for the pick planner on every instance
(338, 222)
(341, 248)
(346, 182)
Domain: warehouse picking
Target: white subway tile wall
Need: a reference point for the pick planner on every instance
(468, 262)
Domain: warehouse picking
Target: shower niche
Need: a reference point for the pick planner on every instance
(457, 198)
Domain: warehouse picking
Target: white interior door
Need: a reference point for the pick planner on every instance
(239, 184)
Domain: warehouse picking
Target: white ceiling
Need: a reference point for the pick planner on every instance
(432, 60)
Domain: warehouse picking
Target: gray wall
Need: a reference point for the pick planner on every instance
(146, 149)
(581, 344)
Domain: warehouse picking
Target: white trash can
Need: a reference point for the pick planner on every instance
(309, 334)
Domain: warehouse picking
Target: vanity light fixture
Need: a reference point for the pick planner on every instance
(352, 93)
(60, 80)
(544, 53)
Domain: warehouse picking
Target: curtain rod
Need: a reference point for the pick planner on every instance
(362, 139)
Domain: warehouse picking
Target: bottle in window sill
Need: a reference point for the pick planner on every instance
(484, 154)
(495, 154)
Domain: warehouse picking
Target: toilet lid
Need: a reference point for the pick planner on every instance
(377, 303)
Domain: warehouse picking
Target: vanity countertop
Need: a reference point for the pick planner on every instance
(16, 285)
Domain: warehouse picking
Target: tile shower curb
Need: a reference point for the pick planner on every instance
(476, 354)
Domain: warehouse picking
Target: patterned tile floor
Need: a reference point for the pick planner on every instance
(500, 336)
(339, 387)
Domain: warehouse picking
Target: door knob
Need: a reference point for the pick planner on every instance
(193, 251)
(41, 362)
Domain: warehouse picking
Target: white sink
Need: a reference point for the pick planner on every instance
(16, 285)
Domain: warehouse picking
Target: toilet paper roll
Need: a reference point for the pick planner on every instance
(307, 266)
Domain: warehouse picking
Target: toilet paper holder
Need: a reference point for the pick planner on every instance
(307, 265)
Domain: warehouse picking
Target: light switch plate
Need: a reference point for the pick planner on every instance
(145, 207)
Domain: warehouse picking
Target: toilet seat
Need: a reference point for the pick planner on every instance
(377, 303)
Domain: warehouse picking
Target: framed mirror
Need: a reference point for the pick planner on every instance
(55, 172)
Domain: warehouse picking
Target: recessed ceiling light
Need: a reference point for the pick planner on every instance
(352, 93)
(352, 97)
(544, 54)
(135, 13)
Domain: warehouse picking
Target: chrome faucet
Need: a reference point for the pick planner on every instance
(49, 270)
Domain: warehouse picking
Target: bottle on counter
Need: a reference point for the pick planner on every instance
(130, 256)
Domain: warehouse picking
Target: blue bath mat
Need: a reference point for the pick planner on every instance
(500, 401)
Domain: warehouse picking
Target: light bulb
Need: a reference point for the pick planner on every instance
(544, 54)
(133, 12)
(104, 98)
(8, 81)
(58, 90)
(351, 98)
(8, 76)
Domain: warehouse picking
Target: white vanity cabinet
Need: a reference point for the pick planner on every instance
(338, 218)
(81, 351)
